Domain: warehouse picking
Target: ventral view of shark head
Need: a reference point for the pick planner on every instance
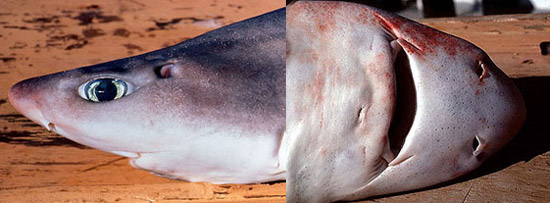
(211, 108)
(379, 104)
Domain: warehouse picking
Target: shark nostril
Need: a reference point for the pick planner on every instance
(481, 71)
(475, 143)
(164, 71)
(478, 147)
(51, 127)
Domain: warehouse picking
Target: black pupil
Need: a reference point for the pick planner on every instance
(106, 90)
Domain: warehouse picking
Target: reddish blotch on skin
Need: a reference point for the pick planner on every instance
(421, 37)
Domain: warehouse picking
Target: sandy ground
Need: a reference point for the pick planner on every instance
(41, 37)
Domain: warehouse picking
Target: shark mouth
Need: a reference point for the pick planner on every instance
(405, 105)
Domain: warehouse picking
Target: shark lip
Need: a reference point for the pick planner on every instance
(127, 154)
(36, 115)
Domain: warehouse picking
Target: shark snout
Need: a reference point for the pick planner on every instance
(23, 97)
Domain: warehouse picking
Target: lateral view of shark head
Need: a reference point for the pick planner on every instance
(211, 108)
(379, 104)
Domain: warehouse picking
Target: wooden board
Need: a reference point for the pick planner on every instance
(512, 41)
(45, 37)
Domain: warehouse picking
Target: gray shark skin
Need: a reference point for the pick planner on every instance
(211, 108)
(379, 104)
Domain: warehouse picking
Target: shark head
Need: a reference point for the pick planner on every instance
(379, 104)
(199, 110)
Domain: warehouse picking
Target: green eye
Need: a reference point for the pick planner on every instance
(103, 90)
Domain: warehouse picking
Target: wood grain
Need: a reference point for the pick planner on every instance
(512, 41)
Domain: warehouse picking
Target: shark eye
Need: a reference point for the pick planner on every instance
(103, 90)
